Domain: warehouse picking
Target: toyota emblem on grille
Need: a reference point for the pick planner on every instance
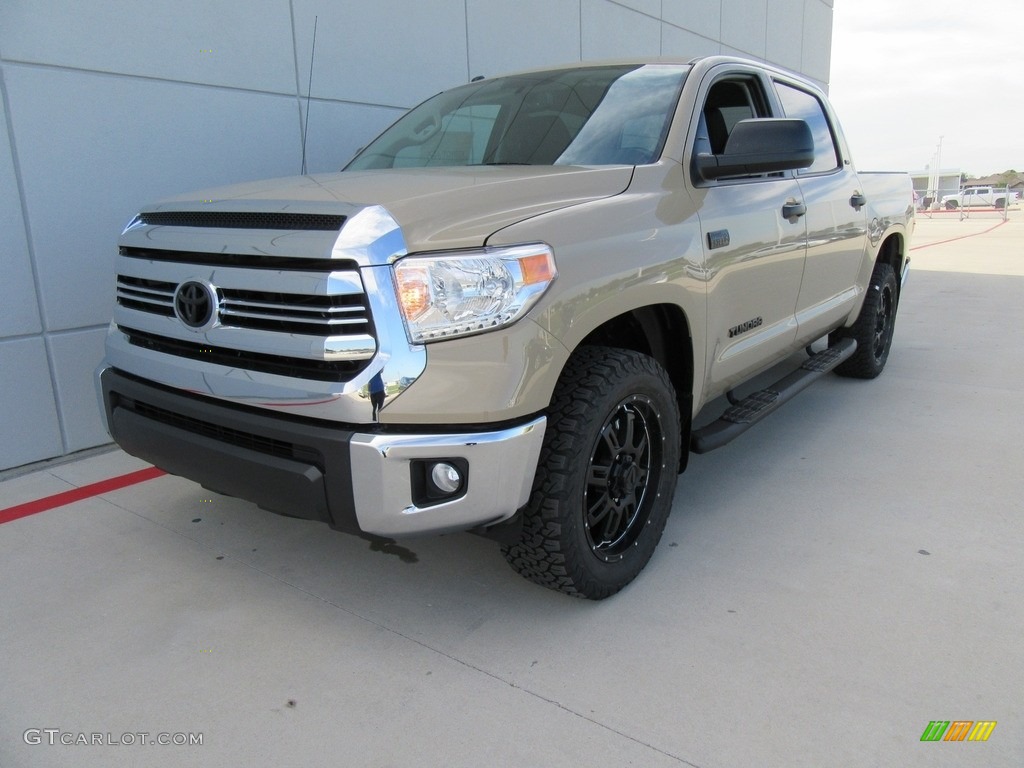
(195, 304)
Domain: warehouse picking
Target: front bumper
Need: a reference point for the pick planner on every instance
(357, 481)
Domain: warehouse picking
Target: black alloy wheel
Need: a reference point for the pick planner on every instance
(874, 327)
(616, 503)
(607, 472)
(885, 314)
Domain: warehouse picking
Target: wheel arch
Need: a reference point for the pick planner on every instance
(893, 252)
(662, 332)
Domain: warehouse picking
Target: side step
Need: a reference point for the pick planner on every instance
(745, 414)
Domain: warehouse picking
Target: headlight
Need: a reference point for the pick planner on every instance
(456, 294)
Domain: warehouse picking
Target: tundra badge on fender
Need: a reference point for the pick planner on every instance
(744, 327)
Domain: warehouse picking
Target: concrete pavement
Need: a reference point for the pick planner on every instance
(827, 585)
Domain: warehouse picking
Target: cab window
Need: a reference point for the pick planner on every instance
(728, 101)
(806, 106)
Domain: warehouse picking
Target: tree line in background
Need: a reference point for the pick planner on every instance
(1011, 178)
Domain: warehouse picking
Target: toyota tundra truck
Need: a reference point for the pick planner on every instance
(503, 315)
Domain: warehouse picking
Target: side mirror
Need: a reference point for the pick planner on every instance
(762, 145)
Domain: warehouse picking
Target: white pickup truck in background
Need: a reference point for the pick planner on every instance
(981, 197)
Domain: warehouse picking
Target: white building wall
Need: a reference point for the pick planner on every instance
(108, 104)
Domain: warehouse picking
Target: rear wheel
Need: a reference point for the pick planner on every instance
(606, 476)
(874, 327)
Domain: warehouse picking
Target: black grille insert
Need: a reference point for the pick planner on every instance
(250, 261)
(260, 443)
(319, 370)
(244, 220)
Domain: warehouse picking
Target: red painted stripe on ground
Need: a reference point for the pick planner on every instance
(961, 237)
(77, 494)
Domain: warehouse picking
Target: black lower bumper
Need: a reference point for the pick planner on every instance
(282, 464)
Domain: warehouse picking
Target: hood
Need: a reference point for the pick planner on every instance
(437, 208)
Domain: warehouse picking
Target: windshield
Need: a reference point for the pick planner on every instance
(614, 115)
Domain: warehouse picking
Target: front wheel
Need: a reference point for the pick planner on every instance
(606, 476)
(874, 326)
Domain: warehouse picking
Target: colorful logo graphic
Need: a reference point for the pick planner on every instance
(958, 730)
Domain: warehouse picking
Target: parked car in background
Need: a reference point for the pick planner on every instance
(981, 197)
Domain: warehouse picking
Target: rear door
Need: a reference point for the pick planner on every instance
(753, 240)
(837, 243)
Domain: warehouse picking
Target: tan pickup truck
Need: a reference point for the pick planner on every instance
(503, 315)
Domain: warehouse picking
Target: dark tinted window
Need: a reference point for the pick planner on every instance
(805, 106)
(728, 102)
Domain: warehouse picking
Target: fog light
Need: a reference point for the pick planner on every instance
(437, 481)
(445, 477)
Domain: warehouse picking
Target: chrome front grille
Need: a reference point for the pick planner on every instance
(292, 313)
(156, 296)
(310, 320)
(264, 310)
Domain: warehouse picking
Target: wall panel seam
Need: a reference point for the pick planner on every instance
(30, 248)
(469, 65)
(195, 84)
(54, 334)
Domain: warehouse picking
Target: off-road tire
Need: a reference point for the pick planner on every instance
(874, 326)
(606, 475)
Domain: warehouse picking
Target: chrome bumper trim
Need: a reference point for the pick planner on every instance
(501, 471)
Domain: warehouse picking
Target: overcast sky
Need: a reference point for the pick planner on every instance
(905, 73)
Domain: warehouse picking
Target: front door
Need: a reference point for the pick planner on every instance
(754, 244)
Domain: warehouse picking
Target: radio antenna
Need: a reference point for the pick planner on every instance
(309, 91)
